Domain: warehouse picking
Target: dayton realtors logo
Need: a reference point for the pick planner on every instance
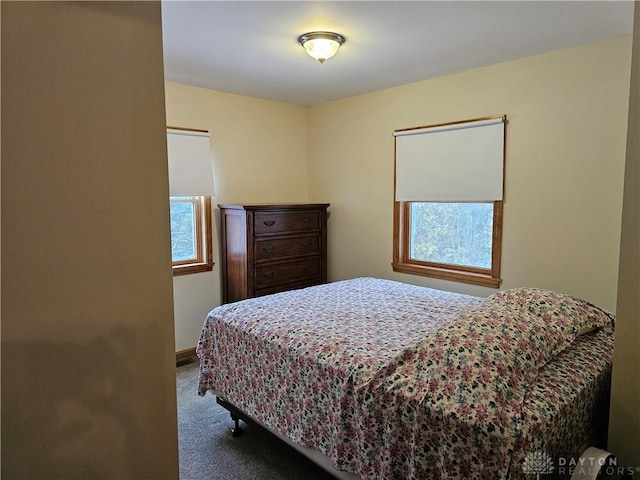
(593, 462)
(537, 463)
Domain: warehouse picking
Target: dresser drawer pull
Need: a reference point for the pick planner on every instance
(307, 221)
(268, 274)
(269, 249)
(307, 244)
(307, 268)
(269, 223)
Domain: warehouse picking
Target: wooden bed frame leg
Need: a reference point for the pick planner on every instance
(237, 430)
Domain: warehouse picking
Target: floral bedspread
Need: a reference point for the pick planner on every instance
(394, 381)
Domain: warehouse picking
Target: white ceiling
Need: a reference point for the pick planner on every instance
(251, 48)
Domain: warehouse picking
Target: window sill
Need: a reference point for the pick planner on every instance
(192, 268)
(448, 274)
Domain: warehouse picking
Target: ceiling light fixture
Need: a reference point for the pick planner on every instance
(321, 45)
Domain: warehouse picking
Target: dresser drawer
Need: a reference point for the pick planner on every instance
(268, 248)
(266, 223)
(288, 286)
(278, 273)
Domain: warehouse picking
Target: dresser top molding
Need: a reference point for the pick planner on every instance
(271, 206)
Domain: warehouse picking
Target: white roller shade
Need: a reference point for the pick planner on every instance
(463, 162)
(190, 163)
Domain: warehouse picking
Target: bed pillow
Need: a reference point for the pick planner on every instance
(565, 315)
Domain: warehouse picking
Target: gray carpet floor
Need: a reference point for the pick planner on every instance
(208, 451)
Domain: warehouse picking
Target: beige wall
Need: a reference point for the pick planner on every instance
(259, 156)
(624, 431)
(88, 372)
(567, 114)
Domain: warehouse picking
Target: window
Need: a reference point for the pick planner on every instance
(448, 209)
(191, 238)
(452, 241)
(190, 187)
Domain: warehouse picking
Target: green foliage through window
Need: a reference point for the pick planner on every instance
(452, 233)
(183, 229)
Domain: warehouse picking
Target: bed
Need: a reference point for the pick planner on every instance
(385, 380)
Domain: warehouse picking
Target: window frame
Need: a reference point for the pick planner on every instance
(204, 238)
(403, 263)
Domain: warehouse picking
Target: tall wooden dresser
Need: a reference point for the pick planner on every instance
(272, 248)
